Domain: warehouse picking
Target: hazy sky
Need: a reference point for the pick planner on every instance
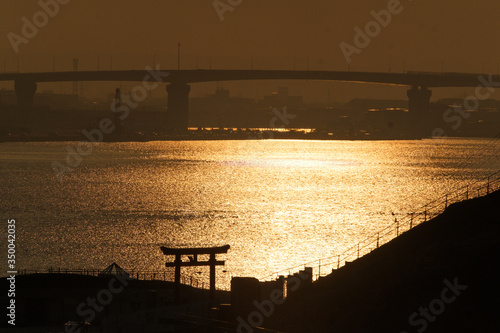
(426, 35)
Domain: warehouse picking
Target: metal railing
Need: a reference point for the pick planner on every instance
(327, 265)
(142, 275)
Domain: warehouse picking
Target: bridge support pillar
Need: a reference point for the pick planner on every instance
(25, 91)
(178, 106)
(419, 103)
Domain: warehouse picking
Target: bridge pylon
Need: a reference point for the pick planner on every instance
(25, 91)
(178, 106)
(419, 103)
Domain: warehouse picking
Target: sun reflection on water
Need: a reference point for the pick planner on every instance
(277, 203)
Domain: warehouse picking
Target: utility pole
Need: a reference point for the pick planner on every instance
(178, 56)
(75, 83)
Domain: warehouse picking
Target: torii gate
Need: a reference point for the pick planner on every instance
(193, 261)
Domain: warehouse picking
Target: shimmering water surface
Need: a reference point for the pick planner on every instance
(277, 203)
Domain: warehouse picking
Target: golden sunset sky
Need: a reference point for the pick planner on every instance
(426, 35)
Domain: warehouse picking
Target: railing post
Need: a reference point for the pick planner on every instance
(319, 268)
(467, 193)
(411, 220)
(397, 227)
(425, 215)
(338, 261)
(488, 186)
(446, 202)
(378, 237)
(358, 250)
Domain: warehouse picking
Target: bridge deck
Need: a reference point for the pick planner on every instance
(425, 79)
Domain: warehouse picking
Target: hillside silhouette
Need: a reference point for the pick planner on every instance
(383, 290)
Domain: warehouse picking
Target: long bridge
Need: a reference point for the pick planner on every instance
(178, 83)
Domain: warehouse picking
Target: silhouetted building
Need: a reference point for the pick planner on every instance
(46, 98)
(221, 110)
(281, 98)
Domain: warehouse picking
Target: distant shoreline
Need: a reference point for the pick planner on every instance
(193, 136)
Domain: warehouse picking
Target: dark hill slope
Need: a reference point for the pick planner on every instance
(382, 290)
